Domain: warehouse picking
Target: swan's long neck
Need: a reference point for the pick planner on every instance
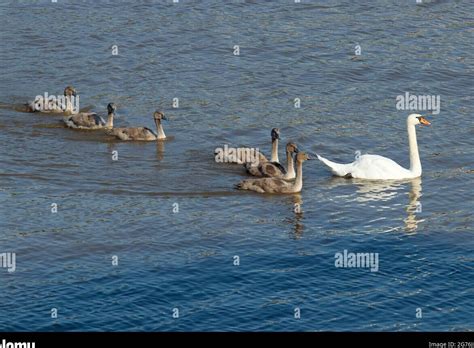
(275, 151)
(298, 184)
(70, 105)
(110, 120)
(159, 130)
(415, 163)
(290, 170)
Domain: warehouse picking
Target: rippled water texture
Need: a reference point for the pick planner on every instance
(185, 259)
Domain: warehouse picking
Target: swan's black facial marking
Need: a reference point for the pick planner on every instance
(275, 134)
(111, 108)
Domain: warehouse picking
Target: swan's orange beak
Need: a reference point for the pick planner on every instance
(424, 121)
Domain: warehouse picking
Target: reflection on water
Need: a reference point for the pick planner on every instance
(368, 191)
(377, 190)
(414, 206)
(112, 146)
(297, 206)
(160, 150)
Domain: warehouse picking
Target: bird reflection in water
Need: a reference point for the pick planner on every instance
(387, 190)
(160, 150)
(369, 191)
(297, 203)
(414, 207)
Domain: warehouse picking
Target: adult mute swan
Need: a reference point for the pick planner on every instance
(374, 167)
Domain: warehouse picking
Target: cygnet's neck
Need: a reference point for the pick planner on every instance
(298, 184)
(159, 129)
(290, 170)
(275, 151)
(70, 105)
(110, 120)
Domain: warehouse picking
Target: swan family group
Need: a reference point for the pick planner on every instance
(271, 176)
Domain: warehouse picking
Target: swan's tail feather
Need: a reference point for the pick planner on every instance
(336, 168)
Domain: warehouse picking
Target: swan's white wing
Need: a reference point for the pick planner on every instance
(377, 167)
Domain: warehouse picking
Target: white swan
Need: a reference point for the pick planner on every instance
(374, 167)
